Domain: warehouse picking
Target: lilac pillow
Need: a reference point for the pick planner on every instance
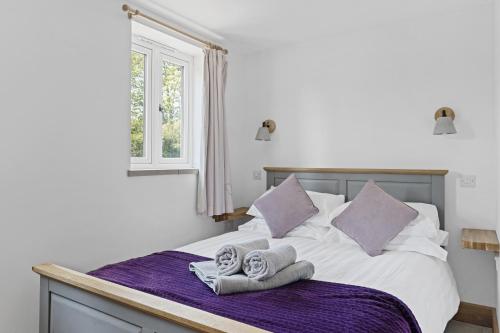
(374, 218)
(286, 207)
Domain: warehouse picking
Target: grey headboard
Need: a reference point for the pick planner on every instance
(406, 185)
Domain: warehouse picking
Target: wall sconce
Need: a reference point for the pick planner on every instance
(444, 121)
(263, 133)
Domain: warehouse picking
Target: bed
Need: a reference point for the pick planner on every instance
(75, 302)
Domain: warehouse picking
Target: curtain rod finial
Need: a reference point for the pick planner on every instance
(130, 11)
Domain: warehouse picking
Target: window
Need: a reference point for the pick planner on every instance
(160, 110)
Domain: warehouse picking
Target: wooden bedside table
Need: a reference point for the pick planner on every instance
(478, 239)
(484, 240)
(238, 214)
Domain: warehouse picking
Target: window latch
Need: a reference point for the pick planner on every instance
(161, 109)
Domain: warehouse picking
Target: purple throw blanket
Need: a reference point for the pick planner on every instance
(304, 306)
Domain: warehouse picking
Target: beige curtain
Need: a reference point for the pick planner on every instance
(214, 181)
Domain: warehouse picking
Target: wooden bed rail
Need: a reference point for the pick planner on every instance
(177, 313)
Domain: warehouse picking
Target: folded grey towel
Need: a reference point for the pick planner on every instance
(229, 258)
(263, 264)
(206, 271)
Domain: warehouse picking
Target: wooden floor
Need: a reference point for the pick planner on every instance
(459, 327)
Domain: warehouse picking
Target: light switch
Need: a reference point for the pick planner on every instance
(468, 181)
(257, 174)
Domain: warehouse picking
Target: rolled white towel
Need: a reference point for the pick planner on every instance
(263, 264)
(229, 258)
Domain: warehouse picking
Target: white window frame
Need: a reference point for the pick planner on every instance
(146, 158)
(185, 137)
(153, 117)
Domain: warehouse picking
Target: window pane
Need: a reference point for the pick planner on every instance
(137, 95)
(172, 93)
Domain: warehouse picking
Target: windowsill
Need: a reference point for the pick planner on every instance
(158, 172)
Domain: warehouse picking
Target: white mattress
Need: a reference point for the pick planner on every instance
(425, 284)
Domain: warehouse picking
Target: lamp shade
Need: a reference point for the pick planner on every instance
(263, 134)
(444, 125)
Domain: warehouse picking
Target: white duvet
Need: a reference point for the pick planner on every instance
(424, 283)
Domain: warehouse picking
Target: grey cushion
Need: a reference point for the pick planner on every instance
(374, 218)
(285, 207)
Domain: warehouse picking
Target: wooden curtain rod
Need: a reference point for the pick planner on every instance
(135, 12)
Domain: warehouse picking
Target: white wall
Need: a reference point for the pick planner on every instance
(64, 193)
(367, 98)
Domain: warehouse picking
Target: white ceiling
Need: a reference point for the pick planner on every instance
(256, 24)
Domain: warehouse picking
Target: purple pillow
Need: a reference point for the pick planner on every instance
(374, 218)
(286, 207)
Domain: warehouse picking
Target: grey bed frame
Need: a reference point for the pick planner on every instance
(72, 302)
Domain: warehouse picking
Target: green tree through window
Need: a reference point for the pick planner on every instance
(137, 104)
(172, 91)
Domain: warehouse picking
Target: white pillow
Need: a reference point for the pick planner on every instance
(325, 202)
(305, 230)
(426, 209)
(423, 245)
(441, 238)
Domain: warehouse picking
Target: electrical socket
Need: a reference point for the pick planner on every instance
(468, 181)
(257, 175)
